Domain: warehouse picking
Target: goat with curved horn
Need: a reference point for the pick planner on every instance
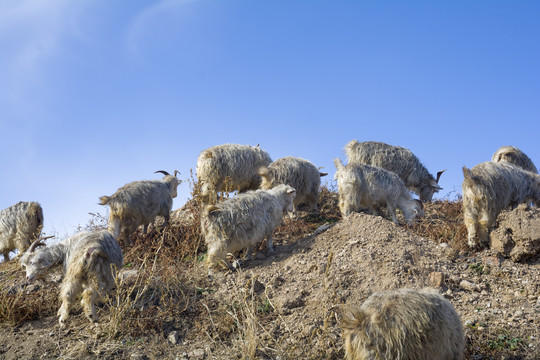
(398, 160)
(35, 244)
(139, 202)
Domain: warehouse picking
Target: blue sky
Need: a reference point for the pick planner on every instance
(95, 94)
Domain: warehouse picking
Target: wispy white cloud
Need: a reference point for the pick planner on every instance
(146, 19)
(31, 34)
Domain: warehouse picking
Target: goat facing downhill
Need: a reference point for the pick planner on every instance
(86, 258)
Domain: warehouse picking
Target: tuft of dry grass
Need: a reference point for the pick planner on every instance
(443, 223)
(21, 302)
(147, 294)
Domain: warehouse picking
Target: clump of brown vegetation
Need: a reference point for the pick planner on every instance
(443, 223)
(20, 302)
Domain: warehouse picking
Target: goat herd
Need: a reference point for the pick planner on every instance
(405, 324)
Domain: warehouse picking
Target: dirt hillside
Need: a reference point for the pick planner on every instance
(283, 305)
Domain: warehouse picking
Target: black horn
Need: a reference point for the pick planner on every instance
(162, 171)
(439, 175)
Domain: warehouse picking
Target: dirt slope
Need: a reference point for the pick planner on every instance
(286, 305)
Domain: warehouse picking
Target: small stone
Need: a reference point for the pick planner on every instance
(467, 285)
(173, 337)
(32, 288)
(322, 228)
(196, 354)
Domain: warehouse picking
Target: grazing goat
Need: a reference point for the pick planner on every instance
(229, 167)
(139, 202)
(398, 160)
(86, 258)
(301, 174)
(20, 225)
(241, 222)
(513, 155)
(490, 187)
(364, 186)
(405, 324)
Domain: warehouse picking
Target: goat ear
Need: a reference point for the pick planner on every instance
(353, 319)
(467, 173)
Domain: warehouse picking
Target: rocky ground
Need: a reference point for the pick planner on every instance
(284, 305)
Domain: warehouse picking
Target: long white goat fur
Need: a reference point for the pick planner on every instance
(241, 222)
(229, 167)
(86, 258)
(363, 186)
(301, 174)
(488, 188)
(139, 202)
(20, 225)
(403, 324)
(513, 155)
(398, 160)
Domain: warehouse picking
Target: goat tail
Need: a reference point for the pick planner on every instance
(104, 200)
(339, 165)
(35, 210)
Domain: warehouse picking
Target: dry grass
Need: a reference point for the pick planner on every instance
(18, 301)
(443, 223)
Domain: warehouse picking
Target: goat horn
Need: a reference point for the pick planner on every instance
(439, 175)
(162, 171)
(34, 245)
(176, 172)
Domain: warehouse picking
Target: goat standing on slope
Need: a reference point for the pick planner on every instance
(397, 160)
(363, 186)
(20, 224)
(139, 202)
(490, 187)
(229, 167)
(241, 222)
(301, 174)
(86, 258)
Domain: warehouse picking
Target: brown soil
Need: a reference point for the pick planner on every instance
(283, 305)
